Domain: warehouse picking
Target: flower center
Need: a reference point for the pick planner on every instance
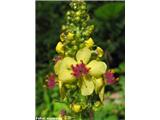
(109, 77)
(80, 70)
(51, 81)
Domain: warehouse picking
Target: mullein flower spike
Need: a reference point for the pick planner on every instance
(76, 68)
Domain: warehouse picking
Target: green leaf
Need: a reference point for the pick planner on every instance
(47, 99)
(113, 117)
(109, 10)
(58, 107)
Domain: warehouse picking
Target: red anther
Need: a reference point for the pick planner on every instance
(109, 77)
(79, 70)
(51, 81)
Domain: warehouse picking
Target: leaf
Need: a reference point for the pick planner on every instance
(109, 10)
(58, 107)
(47, 99)
(113, 117)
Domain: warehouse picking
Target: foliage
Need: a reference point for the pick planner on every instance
(108, 18)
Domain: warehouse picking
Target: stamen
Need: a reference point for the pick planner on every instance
(110, 78)
(80, 70)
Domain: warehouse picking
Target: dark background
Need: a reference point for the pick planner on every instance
(109, 33)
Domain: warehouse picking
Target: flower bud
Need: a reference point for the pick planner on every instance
(76, 108)
(99, 51)
(69, 13)
(89, 43)
(83, 7)
(73, 42)
(77, 19)
(68, 18)
(64, 27)
(70, 36)
(97, 103)
(60, 47)
(78, 13)
(62, 37)
(98, 84)
(75, 47)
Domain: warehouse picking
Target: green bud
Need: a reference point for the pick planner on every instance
(64, 27)
(68, 13)
(83, 7)
(86, 33)
(82, 46)
(77, 19)
(73, 42)
(84, 24)
(75, 47)
(68, 18)
(78, 13)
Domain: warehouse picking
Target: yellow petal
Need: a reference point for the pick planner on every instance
(83, 54)
(70, 36)
(76, 108)
(101, 94)
(99, 51)
(65, 70)
(98, 82)
(59, 47)
(89, 43)
(87, 87)
(66, 77)
(97, 68)
(57, 67)
(66, 63)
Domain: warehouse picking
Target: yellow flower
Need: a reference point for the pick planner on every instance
(64, 70)
(99, 51)
(70, 36)
(60, 47)
(76, 108)
(89, 43)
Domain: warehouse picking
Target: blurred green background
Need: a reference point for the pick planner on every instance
(109, 33)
